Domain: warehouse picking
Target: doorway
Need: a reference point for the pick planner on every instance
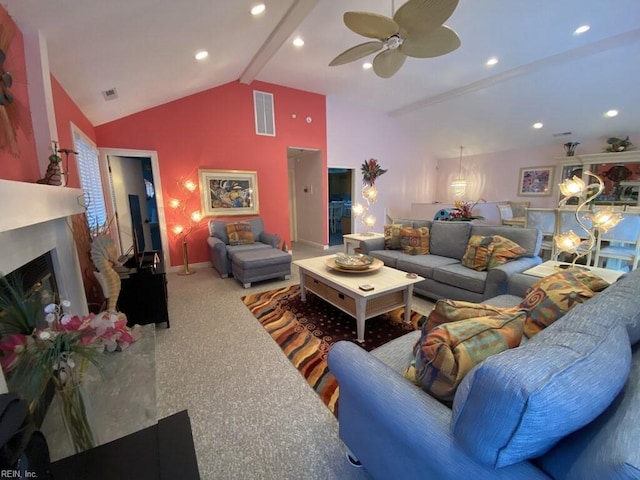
(340, 181)
(136, 201)
(307, 196)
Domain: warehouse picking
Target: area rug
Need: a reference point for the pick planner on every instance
(306, 330)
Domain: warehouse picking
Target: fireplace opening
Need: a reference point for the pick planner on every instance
(36, 281)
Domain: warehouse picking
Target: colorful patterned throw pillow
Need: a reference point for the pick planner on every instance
(503, 251)
(551, 297)
(478, 252)
(415, 241)
(239, 233)
(451, 350)
(446, 311)
(392, 236)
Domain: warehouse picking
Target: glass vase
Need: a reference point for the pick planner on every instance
(75, 416)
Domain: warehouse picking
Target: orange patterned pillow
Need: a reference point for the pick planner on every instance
(478, 253)
(239, 233)
(503, 251)
(550, 298)
(415, 241)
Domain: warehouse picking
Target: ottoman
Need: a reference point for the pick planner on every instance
(260, 264)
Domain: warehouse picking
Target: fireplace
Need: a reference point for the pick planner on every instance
(36, 280)
(36, 222)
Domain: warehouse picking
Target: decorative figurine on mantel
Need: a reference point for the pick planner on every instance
(570, 148)
(619, 145)
(53, 175)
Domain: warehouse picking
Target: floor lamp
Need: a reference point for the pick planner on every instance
(187, 223)
(602, 220)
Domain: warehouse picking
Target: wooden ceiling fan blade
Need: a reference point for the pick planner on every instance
(437, 42)
(356, 53)
(370, 25)
(387, 63)
(423, 15)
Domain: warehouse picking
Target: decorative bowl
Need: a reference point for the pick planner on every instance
(355, 261)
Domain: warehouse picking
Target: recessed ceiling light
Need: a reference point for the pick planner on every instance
(367, 65)
(611, 113)
(258, 9)
(202, 54)
(538, 125)
(491, 62)
(298, 42)
(581, 29)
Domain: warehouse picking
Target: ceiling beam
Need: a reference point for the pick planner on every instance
(288, 24)
(560, 58)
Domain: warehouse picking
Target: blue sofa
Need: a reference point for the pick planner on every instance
(563, 405)
(442, 270)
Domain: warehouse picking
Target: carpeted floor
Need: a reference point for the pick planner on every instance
(306, 330)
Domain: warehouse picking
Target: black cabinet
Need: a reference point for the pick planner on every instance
(143, 295)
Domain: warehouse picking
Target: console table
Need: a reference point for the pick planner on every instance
(143, 295)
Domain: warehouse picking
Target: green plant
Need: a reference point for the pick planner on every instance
(370, 171)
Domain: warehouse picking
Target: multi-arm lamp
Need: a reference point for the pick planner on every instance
(186, 223)
(370, 194)
(602, 219)
(371, 170)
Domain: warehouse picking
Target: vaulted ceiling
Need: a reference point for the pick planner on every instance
(546, 73)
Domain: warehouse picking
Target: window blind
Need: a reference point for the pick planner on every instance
(89, 173)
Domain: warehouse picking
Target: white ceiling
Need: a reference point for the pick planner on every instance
(145, 48)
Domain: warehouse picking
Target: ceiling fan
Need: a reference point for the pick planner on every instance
(416, 30)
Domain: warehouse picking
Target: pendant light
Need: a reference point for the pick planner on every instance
(459, 185)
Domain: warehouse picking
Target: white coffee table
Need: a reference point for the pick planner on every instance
(550, 267)
(354, 239)
(392, 289)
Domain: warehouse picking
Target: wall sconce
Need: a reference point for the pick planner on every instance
(602, 220)
(188, 221)
(459, 185)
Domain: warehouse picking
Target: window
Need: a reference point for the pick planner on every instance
(263, 109)
(90, 182)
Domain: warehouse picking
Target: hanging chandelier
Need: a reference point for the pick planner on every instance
(459, 185)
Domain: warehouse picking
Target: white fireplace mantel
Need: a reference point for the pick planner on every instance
(25, 204)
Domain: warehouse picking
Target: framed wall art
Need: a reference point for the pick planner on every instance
(535, 181)
(228, 192)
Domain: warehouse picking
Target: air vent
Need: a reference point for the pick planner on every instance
(263, 109)
(110, 94)
(563, 134)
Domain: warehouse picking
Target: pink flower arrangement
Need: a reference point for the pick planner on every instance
(464, 211)
(105, 331)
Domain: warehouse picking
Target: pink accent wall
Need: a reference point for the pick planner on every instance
(215, 129)
(24, 167)
(66, 111)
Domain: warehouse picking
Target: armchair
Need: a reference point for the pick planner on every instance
(220, 249)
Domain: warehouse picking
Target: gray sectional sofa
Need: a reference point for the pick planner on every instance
(563, 405)
(445, 276)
